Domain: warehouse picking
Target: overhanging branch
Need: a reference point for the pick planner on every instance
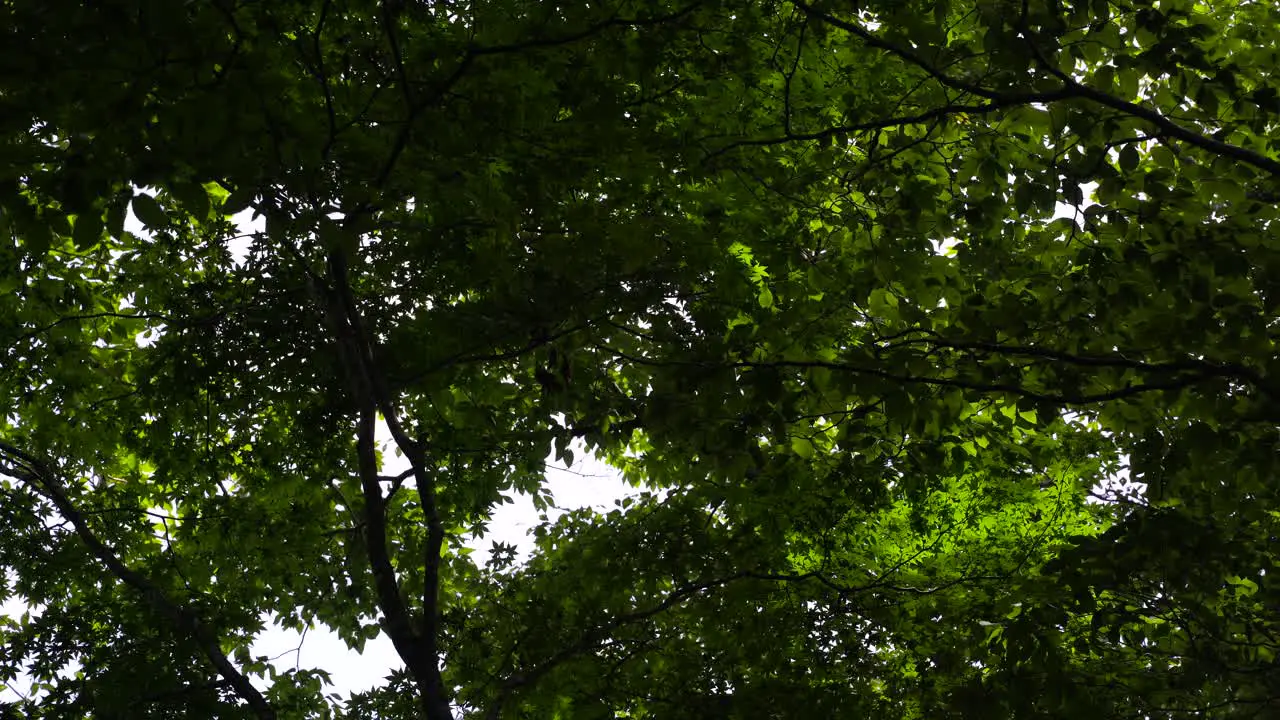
(1071, 89)
(40, 476)
(1178, 381)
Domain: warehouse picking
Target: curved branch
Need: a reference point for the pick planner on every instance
(1072, 88)
(938, 113)
(41, 477)
(1205, 368)
(417, 105)
(598, 637)
(1067, 398)
(592, 639)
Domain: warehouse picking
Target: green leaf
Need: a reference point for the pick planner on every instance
(883, 303)
(87, 232)
(116, 214)
(35, 238)
(58, 222)
(193, 197)
(238, 200)
(149, 212)
(1128, 158)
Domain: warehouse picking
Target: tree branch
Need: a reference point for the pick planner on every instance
(415, 107)
(1067, 398)
(40, 476)
(1186, 365)
(598, 637)
(1072, 88)
(594, 637)
(884, 123)
(1169, 127)
(419, 650)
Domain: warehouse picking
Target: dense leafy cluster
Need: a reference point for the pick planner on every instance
(940, 333)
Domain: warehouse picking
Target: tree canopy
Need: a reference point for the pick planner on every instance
(938, 334)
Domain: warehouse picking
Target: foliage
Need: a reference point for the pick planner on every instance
(940, 334)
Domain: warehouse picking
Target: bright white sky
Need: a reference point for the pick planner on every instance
(590, 483)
